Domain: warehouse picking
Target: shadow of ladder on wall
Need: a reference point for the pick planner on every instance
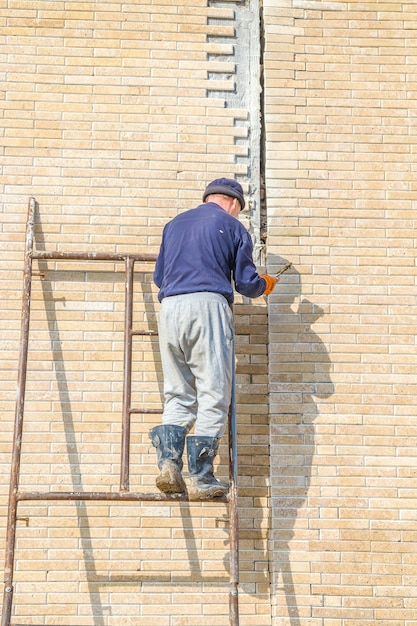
(124, 495)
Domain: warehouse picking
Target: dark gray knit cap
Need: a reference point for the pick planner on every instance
(227, 187)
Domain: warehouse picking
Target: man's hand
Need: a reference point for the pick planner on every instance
(271, 281)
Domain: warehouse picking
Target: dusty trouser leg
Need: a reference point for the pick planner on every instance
(169, 442)
(201, 452)
(180, 397)
(209, 355)
(180, 403)
(210, 360)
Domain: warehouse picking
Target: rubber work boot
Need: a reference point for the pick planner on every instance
(169, 441)
(201, 452)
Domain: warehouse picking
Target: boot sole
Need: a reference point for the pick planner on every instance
(196, 493)
(170, 479)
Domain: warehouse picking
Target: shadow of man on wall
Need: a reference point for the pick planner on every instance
(299, 376)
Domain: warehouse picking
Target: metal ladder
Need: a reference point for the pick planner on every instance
(124, 494)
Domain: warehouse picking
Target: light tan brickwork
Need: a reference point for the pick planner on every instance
(340, 169)
(114, 116)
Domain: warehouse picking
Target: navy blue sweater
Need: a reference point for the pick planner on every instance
(201, 250)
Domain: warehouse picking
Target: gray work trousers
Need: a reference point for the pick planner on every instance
(196, 340)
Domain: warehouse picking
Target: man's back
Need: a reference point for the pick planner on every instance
(200, 250)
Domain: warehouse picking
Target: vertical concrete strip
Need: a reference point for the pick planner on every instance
(235, 78)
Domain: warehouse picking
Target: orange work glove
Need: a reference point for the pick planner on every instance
(271, 281)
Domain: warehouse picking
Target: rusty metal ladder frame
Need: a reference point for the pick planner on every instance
(15, 496)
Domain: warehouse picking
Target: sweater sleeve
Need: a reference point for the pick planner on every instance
(246, 278)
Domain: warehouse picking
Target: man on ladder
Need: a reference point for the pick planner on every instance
(201, 250)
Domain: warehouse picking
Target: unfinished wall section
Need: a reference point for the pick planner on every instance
(239, 87)
(114, 116)
(340, 165)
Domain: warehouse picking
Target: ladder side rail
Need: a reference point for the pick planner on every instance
(233, 507)
(127, 375)
(56, 255)
(18, 424)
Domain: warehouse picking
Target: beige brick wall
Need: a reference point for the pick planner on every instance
(340, 180)
(114, 116)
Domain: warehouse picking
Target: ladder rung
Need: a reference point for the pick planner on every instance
(146, 411)
(118, 496)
